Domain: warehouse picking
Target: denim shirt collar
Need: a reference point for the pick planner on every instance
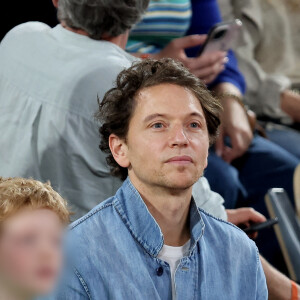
(143, 226)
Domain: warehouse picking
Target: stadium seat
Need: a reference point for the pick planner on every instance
(287, 230)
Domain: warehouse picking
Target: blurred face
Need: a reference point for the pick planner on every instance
(167, 142)
(30, 251)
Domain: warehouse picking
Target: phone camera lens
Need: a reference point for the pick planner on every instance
(220, 34)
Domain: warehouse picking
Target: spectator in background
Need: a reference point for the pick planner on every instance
(32, 221)
(49, 82)
(269, 57)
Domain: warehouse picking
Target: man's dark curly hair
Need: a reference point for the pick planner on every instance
(118, 104)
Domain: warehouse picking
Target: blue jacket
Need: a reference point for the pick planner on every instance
(114, 252)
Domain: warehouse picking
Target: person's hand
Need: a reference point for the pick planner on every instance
(206, 66)
(235, 125)
(290, 104)
(244, 217)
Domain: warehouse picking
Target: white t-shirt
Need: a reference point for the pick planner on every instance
(172, 256)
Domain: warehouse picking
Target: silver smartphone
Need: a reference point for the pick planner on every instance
(222, 36)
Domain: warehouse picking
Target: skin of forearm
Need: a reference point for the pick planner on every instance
(233, 112)
(290, 104)
(279, 286)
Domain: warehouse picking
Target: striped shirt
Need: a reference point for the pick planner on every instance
(163, 21)
(169, 19)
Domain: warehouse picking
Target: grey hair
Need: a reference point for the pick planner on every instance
(99, 17)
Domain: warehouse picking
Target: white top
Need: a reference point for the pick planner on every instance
(172, 256)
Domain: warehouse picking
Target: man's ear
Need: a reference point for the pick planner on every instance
(55, 3)
(119, 150)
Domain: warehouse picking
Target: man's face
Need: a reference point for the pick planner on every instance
(31, 251)
(167, 142)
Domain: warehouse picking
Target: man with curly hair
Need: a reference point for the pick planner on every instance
(150, 240)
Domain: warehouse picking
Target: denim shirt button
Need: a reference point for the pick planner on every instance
(159, 271)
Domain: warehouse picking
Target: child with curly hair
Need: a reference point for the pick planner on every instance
(32, 221)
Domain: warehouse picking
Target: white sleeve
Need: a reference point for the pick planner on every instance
(208, 200)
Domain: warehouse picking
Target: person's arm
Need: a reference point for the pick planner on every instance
(234, 123)
(244, 216)
(266, 94)
(290, 104)
(279, 286)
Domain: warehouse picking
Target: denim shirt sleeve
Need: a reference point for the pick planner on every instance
(261, 286)
(73, 288)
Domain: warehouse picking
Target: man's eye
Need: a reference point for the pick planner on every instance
(194, 125)
(158, 125)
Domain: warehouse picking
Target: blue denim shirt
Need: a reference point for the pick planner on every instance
(114, 251)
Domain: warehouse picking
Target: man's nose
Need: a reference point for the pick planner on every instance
(178, 137)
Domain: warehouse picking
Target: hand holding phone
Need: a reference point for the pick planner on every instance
(206, 67)
(260, 226)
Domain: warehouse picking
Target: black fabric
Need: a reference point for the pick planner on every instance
(13, 13)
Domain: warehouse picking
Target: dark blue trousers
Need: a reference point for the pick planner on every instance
(285, 137)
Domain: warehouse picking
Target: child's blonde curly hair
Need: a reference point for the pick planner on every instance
(17, 193)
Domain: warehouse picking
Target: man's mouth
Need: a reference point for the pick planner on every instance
(181, 160)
